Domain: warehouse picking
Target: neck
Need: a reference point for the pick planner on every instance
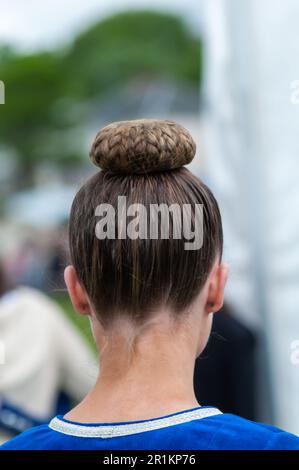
(144, 377)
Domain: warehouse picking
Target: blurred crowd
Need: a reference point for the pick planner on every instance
(38, 261)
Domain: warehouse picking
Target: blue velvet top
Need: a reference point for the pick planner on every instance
(202, 428)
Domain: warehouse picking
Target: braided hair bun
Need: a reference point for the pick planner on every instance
(142, 146)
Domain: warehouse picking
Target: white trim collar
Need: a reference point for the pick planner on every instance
(126, 429)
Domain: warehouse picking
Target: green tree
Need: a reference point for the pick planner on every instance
(48, 93)
(132, 44)
(34, 83)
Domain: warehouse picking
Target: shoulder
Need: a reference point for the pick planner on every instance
(39, 437)
(235, 432)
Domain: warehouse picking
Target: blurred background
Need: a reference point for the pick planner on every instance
(226, 70)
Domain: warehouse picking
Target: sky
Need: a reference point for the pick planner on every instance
(38, 24)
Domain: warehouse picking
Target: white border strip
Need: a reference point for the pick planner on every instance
(108, 431)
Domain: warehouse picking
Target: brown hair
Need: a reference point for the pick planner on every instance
(143, 161)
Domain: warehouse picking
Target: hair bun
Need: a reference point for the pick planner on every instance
(142, 146)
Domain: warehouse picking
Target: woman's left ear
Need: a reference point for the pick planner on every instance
(77, 294)
(217, 285)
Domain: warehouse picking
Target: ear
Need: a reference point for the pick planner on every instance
(217, 282)
(76, 292)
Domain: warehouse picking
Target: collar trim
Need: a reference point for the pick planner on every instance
(126, 429)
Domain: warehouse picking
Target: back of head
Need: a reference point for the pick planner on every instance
(125, 264)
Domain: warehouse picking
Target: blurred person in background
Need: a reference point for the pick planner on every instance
(46, 364)
(38, 261)
(225, 374)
